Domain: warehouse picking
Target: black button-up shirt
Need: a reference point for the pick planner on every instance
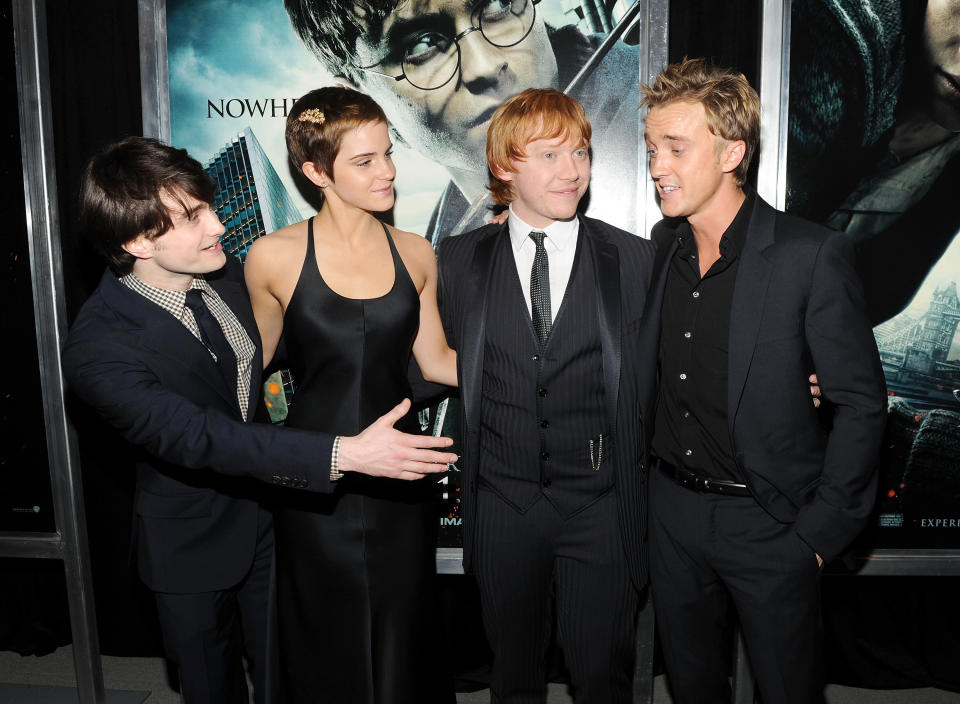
(692, 429)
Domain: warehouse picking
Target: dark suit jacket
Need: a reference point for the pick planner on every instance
(156, 384)
(797, 308)
(622, 265)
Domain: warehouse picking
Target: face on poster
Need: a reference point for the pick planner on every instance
(874, 152)
(240, 65)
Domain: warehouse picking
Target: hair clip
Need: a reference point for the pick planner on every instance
(314, 115)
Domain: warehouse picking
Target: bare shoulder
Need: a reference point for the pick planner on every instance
(413, 248)
(278, 250)
(417, 254)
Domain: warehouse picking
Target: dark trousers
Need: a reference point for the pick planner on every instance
(207, 633)
(706, 549)
(528, 565)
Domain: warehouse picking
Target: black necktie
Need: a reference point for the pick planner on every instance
(540, 289)
(212, 335)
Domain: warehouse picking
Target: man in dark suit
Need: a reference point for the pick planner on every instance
(544, 312)
(167, 351)
(752, 489)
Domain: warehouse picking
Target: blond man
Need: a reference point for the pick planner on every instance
(752, 489)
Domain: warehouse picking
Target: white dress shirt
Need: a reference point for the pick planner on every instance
(561, 245)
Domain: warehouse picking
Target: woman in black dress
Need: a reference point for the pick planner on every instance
(353, 298)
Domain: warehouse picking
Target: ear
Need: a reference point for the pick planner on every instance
(140, 247)
(315, 175)
(732, 155)
(502, 174)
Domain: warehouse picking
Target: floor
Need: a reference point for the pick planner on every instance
(150, 674)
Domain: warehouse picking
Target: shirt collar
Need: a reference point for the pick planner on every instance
(172, 301)
(733, 238)
(561, 234)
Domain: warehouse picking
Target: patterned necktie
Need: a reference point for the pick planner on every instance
(212, 335)
(540, 289)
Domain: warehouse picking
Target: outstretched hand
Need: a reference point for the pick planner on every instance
(381, 450)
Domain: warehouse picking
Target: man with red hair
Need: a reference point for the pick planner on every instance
(545, 313)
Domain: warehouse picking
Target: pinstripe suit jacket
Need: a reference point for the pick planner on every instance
(622, 263)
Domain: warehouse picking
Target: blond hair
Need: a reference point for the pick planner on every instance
(731, 105)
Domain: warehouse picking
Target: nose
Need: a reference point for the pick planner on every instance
(482, 65)
(213, 221)
(568, 168)
(388, 170)
(656, 167)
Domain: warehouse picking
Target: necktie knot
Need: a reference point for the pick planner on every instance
(537, 238)
(195, 300)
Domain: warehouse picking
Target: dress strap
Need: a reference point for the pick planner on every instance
(399, 268)
(310, 241)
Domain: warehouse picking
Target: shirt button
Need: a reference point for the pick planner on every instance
(544, 455)
(688, 335)
(683, 376)
(688, 452)
(535, 357)
(686, 414)
(541, 391)
(696, 294)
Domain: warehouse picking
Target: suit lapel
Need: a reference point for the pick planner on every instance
(475, 316)
(606, 263)
(749, 296)
(163, 334)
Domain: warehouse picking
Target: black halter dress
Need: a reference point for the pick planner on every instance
(355, 569)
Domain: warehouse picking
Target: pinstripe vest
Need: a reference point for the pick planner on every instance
(541, 408)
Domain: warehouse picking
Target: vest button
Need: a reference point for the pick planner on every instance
(545, 484)
(544, 424)
(544, 455)
(541, 391)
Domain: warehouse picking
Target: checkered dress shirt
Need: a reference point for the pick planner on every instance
(174, 302)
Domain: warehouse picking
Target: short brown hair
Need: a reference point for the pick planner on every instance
(121, 189)
(731, 105)
(318, 121)
(536, 113)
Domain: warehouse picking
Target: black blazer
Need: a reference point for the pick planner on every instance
(622, 265)
(156, 384)
(797, 308)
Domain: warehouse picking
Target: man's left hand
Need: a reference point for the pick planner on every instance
(814, 390)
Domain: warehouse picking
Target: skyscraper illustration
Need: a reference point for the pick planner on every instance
(251, 199)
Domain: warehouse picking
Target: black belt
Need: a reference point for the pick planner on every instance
(704, 485)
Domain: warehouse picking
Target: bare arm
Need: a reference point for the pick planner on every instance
(436, 360)
(258, 271)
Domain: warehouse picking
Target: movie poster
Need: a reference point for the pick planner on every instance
(236, 69)
(874, 151)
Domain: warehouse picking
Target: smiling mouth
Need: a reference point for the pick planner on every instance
(666, 190)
